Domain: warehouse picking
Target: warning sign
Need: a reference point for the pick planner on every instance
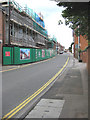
(7, 53)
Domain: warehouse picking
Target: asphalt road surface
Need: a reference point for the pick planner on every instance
(19, 84)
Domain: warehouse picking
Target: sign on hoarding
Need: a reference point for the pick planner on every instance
(24, 54)
(7, 53)
(43, 53)
(50, 53)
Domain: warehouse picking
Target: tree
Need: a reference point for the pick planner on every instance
(76, 16)
(70, 48)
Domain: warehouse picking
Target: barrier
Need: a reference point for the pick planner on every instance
(7, 55)
(22, 55)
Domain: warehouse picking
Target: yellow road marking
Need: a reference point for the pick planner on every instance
(24, 103)
(9, 69)
(26, 65)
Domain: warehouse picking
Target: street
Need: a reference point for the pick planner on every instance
(19, 84)
(44, 72)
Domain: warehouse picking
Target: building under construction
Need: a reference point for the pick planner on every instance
(22, 27)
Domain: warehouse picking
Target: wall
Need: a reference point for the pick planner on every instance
(83, 45)
(84, 56)
(1, 36)
(75, 46)
(83, 42)
(88, 60)
(20, 55)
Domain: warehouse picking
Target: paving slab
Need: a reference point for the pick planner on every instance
(47, 108)
(51, 102)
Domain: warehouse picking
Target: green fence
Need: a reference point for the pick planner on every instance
(7, 55)
(19, 55)
(23, 55)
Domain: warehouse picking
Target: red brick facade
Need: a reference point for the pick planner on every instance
(83, 45)
(0, 25)
(88, 60)
(84, 55)
(1, 36)
(75, 46)
(83, 42)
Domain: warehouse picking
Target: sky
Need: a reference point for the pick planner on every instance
(52, 14)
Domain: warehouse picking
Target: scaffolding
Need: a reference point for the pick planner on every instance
(25, 29)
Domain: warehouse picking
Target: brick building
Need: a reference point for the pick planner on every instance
(60, 48)
(1, 35)
(81, 45)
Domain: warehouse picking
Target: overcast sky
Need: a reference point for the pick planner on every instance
(52, 14)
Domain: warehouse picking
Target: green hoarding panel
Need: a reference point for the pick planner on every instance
(16, 55)
(19, 55)
(34, 55)
(43, 54)
(38, 55)
(48, 54)
(23, 55)
(7, 55)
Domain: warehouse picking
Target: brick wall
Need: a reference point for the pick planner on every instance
(75, 46)
(83, 45)
(1, 36)
(83, 42)
(0, 53)
(84, 56)
(88, 60)
(0, 25)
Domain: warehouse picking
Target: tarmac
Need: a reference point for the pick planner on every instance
(67, 98)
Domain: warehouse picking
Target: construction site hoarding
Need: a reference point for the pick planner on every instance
(21, 55)
(7, 55)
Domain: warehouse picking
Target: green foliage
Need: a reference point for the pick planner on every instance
(89, 43)
(79, 50)
(76, 14)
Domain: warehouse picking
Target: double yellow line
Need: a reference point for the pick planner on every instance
(24, 103)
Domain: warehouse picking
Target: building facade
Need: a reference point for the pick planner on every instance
(80, 44)
(22, 26)
(82, 49)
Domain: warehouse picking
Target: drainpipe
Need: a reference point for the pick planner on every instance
(9, 42)
(79, 46)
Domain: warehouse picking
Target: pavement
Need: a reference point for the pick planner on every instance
(67, 98)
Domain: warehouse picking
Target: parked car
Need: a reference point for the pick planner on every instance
(61, 52)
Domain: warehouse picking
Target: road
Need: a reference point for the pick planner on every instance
(19, 84)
